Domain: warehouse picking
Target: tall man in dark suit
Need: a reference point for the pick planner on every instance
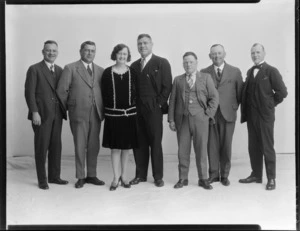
(229, 82)
(79, 89)
(46, 115)
(154, 83)
(194, 100)
(264, 89)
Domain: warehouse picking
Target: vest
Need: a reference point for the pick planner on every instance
(191, 105)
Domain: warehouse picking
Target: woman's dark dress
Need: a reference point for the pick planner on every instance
(120, 128)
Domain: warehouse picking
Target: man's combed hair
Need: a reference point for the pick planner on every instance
(144, 35)
(50, 42)
(258, 44)
(190, 53)
(87, 43)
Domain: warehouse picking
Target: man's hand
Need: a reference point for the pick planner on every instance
(172, 126)
(36, 118)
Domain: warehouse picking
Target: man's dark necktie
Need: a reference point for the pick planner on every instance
(52, 70)
(143, 61)
(219, 73)
(89, 70)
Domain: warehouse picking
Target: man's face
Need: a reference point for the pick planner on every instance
(217, 55)
(88, 53)
(50, 52)
(257, 54)
(144, 46)
(190, 64)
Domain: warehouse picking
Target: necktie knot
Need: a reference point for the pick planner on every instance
(89, 70)
(52, 70)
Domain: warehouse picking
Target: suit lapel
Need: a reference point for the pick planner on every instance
(260, 73)
(225, 74)
(213, 74)
(83, 73)
(47, 74)
(182, 86)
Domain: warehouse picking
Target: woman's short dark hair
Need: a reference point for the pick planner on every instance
(118, 48)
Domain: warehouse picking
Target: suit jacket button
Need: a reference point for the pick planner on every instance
(191, 101)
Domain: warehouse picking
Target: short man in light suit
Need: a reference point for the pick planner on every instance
(229, 83)
(79, 90)
(194, 100)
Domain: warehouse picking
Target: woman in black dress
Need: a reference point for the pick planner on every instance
(120, 126)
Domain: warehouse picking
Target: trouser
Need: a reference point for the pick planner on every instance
(150, 131)
(47, 138)
(261, 144)
(193, 128)
(219, 146)
(87, 143)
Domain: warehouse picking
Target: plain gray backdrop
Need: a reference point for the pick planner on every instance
(175, 29)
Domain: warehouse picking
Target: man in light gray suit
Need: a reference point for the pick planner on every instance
(79, 90)
(229, 83)
(194, 100)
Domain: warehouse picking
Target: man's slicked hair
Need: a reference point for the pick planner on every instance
(144, 35)
(87, 43)
(50, 42)
(258, 44)
(190, 53)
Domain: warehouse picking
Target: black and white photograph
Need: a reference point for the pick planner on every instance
(151, 114)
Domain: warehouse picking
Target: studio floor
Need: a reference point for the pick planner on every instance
(146, 204)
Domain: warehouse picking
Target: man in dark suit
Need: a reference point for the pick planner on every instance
(264, 89)
(194, 100)
(79, 90)
(46, 115)
(229, 82)
(154, 83)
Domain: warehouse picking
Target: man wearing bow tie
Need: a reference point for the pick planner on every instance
(264, 89)
(193, 101)
(79, 90)
(46, 114)
(229, 82)
(154, 83)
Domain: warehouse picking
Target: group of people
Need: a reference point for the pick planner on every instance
(201, 106)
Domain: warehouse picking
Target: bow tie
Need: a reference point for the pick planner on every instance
(257, 66)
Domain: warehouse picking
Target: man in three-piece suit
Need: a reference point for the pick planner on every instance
(154, 83)
(46, 115)
(80, 93)
(193, 101)
(229, 82)
(264, 89)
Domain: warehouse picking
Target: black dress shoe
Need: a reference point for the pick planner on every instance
(205, 184)
(43, 186)
(225, 181)
(212, 180)
(159, 183)
(80, 183)
(181, 183)
(137, 180)
(250, 179)
(57, 181)
(94, 180)
(271, 185)
(125, 185)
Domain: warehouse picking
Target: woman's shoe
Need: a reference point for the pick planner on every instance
(124, 184)
(114, 185)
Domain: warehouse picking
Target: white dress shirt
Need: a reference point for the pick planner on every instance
(86, 65)
(49, 65)
(220, 67)
(255, 71)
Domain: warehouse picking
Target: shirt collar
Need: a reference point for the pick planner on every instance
(148, 58)
(193, 75)
(49, 65)
(221, 67)
(260, 63)
(86, 65)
